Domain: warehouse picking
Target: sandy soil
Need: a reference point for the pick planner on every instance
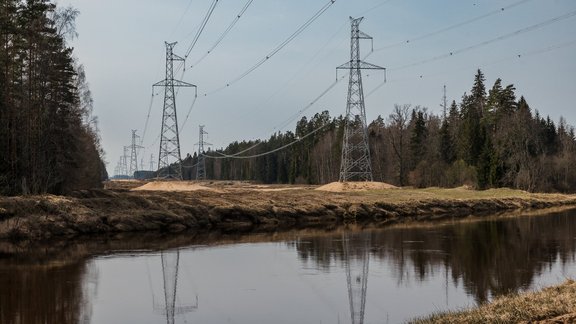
(173, 186)
(213, 186)
(355, 186)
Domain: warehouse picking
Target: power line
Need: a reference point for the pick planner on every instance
(224, 156)
(282, 88)
(182, 17)
(189, 111)
(312, 103)
(442, 30)
(202, 26)
(293, 117)
(375, 7)
(277, 48)
(197, 36)
(147, 117)
(513, 57)
(224, 34)
(493, 40)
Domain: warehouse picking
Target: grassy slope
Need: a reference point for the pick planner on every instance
(240, 204)
(550, 305)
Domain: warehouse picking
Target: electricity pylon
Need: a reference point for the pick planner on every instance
(124, 159)
(151, 162)
(356, 272)
(201, 167)
(355, 163)
(134, 154)
(169, 138)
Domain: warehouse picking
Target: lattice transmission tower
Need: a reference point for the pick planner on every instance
(355, 163)
(134, 154)
(124, 161)
(169, 137)
(151, 162)
(201, 167)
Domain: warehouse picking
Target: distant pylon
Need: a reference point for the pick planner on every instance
(118, 168)
(201, 167)
(169, 138)
(124, 160)
(355, 163)
(134, 154)
(151, 162)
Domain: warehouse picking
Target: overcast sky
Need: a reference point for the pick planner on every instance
(531, 44)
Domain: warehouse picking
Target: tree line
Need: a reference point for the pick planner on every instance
(489, 139)
(49, 140)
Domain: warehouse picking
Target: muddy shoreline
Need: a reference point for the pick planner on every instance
(243, 208)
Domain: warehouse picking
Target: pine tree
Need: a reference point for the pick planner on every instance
(418, 140)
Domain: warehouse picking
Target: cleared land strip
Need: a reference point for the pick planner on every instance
(555, 304)
(243, 207)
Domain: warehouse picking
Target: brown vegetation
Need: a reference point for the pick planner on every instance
(236, 206)
(551, 305)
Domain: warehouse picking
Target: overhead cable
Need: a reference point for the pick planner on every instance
(277, 48)
(224, 34)
(189, 111)
(182, 17)
(312, 103)
(375, 7)
(442, 30)
(224, 156)
(296, 115)
(147, 118)
(198, 33)
(202, 26)
(493, 40)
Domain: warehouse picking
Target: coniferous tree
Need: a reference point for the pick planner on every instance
(45, 145)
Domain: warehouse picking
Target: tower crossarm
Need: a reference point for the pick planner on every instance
(175, 83)
(359, 65)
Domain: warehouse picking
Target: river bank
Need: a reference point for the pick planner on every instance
(556, 304)
(238, 206)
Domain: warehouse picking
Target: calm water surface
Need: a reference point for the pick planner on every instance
(340, 276)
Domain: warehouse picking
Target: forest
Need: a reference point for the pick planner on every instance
(489, 139)
(49, 139)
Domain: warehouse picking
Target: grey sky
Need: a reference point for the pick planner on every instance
(121, 44)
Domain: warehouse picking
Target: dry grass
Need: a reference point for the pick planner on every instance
(460, 193)
(172, 186)
(550, 305)
(355, 186)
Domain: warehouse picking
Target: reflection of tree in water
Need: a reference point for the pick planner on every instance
(52, 292)
(491, 257)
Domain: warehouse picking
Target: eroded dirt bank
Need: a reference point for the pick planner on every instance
(241, 207)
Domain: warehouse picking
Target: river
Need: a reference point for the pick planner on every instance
(351, 275)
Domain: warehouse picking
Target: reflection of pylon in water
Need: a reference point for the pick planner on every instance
(356, 259)
(170, 262)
